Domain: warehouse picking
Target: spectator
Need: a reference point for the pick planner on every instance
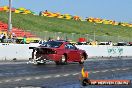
(50, 39)
(58, 38)
(9, 36)
(1, 37)
(110, 43)
(13, 34)
(94, 43)
(14, 37)
(24, 39)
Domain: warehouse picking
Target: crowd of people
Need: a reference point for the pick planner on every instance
(11, 38)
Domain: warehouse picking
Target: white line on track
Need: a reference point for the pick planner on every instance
(94, 72)
(66, 74)
(125, 69)
(18, 80)
(0, 82)
(28, 78)
(97, 71)
(37, 77)
(7, 81)
(45, 77)
(75, 73)
(57, 76)
(104, 71)
(118, 69)
(113, 70)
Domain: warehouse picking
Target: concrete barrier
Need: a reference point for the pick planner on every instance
(16, 51)
(106, 51)
(22, 51)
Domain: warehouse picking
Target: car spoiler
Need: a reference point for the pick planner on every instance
(32, 47)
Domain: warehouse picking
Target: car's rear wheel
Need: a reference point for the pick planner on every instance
(62, 60)
(82, 59)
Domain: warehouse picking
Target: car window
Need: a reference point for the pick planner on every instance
(70, 46)
(52, 44)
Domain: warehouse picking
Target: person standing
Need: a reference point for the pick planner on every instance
(1, 37)
(24, 39)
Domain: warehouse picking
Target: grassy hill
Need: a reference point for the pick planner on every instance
(40, 24)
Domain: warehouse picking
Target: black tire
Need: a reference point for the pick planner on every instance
(82, 59)
(62, 61)
(57, 62)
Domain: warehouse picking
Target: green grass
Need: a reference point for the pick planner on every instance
(40, 24)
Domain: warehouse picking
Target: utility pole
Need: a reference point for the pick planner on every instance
(9, 18)
(94, 30)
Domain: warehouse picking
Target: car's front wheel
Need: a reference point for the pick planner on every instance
(82, 59)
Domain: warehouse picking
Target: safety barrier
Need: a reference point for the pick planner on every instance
(22, 51)
(107, 51)
(16, 51)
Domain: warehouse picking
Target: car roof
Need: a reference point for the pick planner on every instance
(62, 41)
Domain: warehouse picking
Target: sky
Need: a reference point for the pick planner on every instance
(118, 10)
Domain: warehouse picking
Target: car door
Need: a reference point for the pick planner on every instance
(72, 52)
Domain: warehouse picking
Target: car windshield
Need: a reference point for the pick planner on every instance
(52, 44)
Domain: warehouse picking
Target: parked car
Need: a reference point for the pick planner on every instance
(60, 52)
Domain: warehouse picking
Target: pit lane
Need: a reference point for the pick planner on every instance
(16, 74)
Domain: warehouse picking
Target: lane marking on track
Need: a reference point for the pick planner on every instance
(125, 69)
(7, 81)
(57, 76)
(113, 70)
(76, 74)
(37, 77)
(28, 78)
(45, 77)
(97, 71)
(104, 70)
(66, 74)
(94, 72)
(0, 82)
(17, 79)
(118, 69)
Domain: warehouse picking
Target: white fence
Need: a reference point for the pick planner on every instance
(22, 51)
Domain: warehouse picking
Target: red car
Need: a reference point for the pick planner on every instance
(60, 52)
